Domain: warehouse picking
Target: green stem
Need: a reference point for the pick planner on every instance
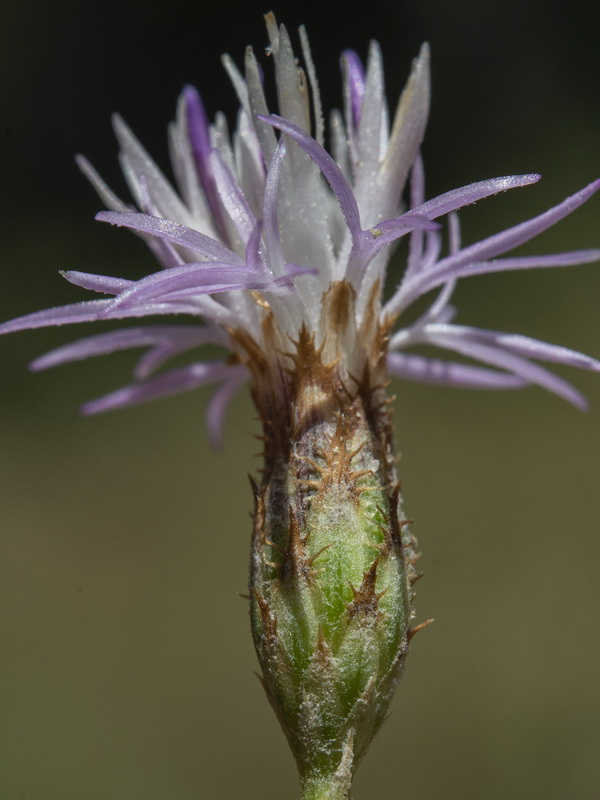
(334, 786)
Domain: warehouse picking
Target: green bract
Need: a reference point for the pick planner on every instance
(332, 558)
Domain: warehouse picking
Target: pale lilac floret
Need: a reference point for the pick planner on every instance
(269, 216)
(354, 83)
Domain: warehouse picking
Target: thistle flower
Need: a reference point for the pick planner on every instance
(278, 251)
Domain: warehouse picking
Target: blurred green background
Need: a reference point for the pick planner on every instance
(126, 665)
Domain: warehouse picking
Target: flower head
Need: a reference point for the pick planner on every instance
(278, 252)
(265, 222)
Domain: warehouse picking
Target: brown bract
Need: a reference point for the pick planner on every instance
(301, 380)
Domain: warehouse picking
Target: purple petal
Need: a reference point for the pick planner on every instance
(516, 343)
(199, 133)
(202, 278)
(97, 283)
(510, 362)
(197, 279)
(219, 403)
(532, 262)
(90, 311)
(61, 315)
(470, 260)
(155, 358)
(177, 380)
(466, 195)
(450, 373)
(354, 84)
(366, 243)
(181, 337)
(446, 269)
(172, 232)
(197, 128)
(519, 234)
(331, 172)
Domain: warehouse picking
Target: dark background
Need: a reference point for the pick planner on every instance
(125, 660)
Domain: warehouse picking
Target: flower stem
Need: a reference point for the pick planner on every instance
(326, 787)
